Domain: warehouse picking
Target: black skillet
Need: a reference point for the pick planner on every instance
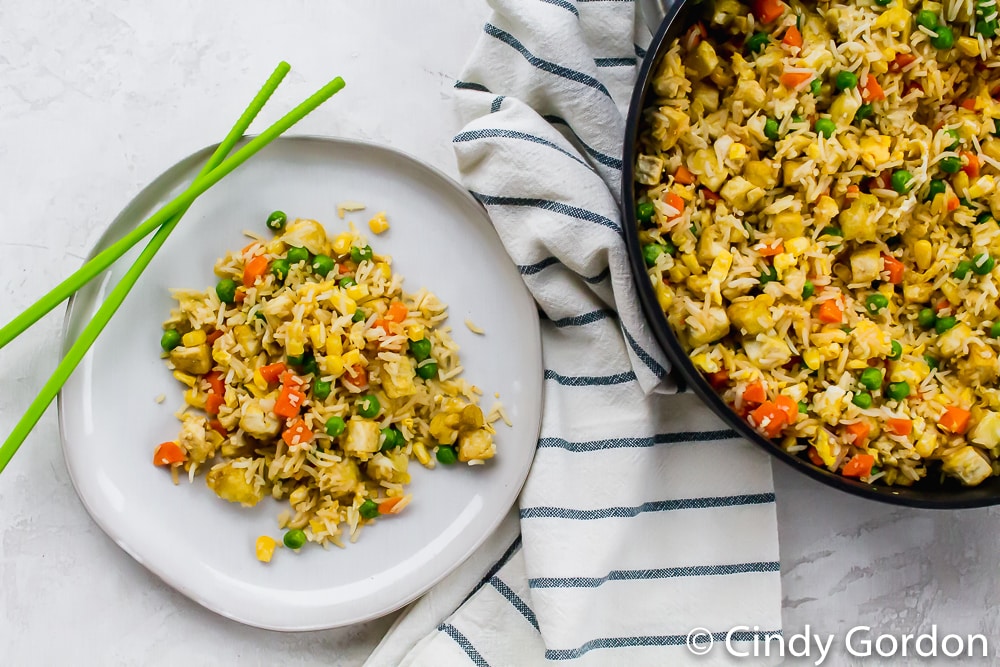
(930, 492)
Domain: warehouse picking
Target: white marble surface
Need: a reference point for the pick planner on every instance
(97, 97)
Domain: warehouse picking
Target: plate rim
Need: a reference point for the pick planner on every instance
(510, 499)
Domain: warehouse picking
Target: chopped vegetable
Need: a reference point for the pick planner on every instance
(171, 338)
(446, 454)
(830, 312)
(295, 539)
(254, 270)
(169, 453)
(859, 465)
(792, 38)
(369, 406)
(769, 418)
(754, 393)
(276, 221)
(955, 420)
(368, 509)
(767, 11)
(899, 426)
(297, 256)
(226, 291)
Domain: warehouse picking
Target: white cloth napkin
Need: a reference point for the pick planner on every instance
(643, 517)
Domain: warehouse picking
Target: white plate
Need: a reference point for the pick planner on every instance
(204, 547)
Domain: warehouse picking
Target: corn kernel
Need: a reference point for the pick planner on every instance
(334, 345)
(664, 295)
(276, 247)
(333, 365)
(259, 380)
(316, 526)
(342, 244)
(256, 391)
(221, 357)
(797, 245)
(295, 340)
(351, 358)
(265, 548)
(357, 292)
(691, 262)
(969, 46)
(232, 401)
(678, 273)
(378, 224)
(831, 351)
(705, 363)
(923, 254)
(983, 186)
(317, 334)
(879, 67)
(189, 380)
(194, 338)
(194, 398)
(416, 332)
(343, 303)
(811, 358)
(420, 451)
(384, 269)
(737, 151)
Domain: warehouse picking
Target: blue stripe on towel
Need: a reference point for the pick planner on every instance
(589, 380)
(548, 205)
(470, 85)
(654, 640)
(464, 642)
(658, 573)
(568, 6)
(652, 506)
(495, 133)
(644, 356)
(639, 51)
(532, 269)
(614, 62)
(545, 65)
(622, 443)
(515, 600)
(586, 318)
(497, 101)
(496, 567)
(603, 158)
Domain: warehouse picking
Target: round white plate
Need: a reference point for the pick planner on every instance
(440, 238)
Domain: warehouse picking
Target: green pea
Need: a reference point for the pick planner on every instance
(814, 87)
(361, 254)
(962, 270)
(170, 339)
(935, 188)
(651, 252)
(803, 407)
(931, 362)
(359, 316)
(950, 165)
(420, 349)
(983, 218)
(987, 29)
(226, 289)
(321, 389)
(771, 129)
(276, 221)
(391, 439)
(757, 42)
(826, 127)
(369, 406)
(335, 426)
(808, 289)
(897, 350)
(926, 318)
(368, 509)
(669, 247)
(309, 366)
(644, 212)
(945, 38)
(865, 111)
(883, 3)
(995, 330)
(323, 265)
(902, 181)
(846, 80)
(897, 391)
(863, 400)
(945, 323)
(428, 370)
(297, 255)
(831, 231)
(876, 302)
(280, 268)
(871, 378)
(956, 140)
(768, 274)
(982, 264)
(347, 282)
(446, 455)
(294, 539)
(927, 19)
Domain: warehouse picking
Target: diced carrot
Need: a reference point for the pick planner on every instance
(830, 312)
(217, 426)
(853, 190)
(754, 393)
(769, 418)
(719, 379)
(289, 402)
(788, 406)
(953, 203)
(901, 61)
(710, 196)
(291, 379)
(254, 269)
(684, 176)
(898, 426)
(169, 453)
(968, 104)
(814, 456)
(215, 382)
(859, 465)
(381, 324)
(213, 336)
(674, 201)
(240, 296)
(792, 37)
(389, 506)
(767, 10)
(955, 420)
(272, 372)
(872, 92)
(297, 434)
(971, 164)
(894, 267)
(356, 376)
(793, 80)
(214, 402)
(397, 312)
(248, 247)
(772, 250)
(860, 431)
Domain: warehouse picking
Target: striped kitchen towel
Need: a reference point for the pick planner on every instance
(643, 517)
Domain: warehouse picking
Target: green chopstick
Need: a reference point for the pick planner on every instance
(168, 216)
(112, 253)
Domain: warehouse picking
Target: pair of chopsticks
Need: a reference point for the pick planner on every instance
(219, 165)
